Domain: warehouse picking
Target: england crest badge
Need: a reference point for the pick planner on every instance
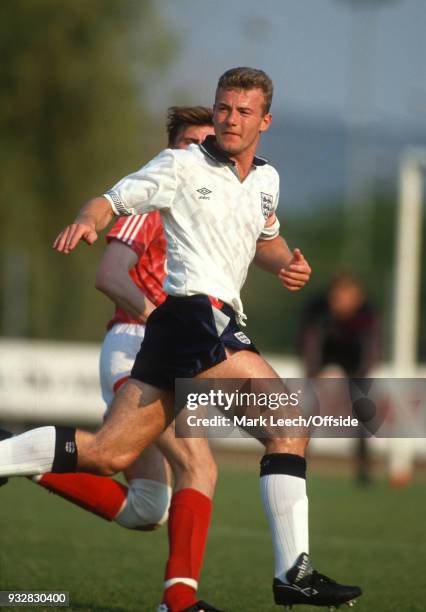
(267, 203)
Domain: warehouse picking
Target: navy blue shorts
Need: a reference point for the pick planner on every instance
(185, 336)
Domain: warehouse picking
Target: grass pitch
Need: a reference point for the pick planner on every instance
(373, 536)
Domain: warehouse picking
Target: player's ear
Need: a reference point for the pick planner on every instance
(266, 122)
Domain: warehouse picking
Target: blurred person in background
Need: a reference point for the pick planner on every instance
(340, 338)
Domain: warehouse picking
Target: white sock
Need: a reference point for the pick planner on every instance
(286, 507)
(29, 453)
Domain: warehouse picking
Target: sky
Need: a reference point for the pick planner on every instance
(324, 56)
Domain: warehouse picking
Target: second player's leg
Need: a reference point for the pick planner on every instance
(195, 475)
(146, 505)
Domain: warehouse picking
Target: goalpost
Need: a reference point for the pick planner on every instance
(407, 295)
(408, 262)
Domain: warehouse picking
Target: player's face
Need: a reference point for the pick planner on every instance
(239, 118)
(344, 300)
(192, 134)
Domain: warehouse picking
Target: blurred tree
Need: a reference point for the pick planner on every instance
(73, 118)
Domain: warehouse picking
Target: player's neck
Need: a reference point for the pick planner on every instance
(244, 162)
(244, 159)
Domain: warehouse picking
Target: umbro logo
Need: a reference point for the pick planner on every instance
(309, 591)
(204, 193)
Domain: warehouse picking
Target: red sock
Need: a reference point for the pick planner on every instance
(101, 495)
(189, 520)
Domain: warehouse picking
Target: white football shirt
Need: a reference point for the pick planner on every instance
(211, 219)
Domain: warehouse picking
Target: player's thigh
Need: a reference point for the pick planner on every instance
(138, 414)
(119, 349)
(249, 365)
(241, 364)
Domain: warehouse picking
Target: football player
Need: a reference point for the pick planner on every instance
(195, 332)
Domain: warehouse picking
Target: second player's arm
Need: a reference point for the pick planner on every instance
(275, 256)
(112, 278)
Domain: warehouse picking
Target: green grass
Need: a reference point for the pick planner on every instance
(375, 537)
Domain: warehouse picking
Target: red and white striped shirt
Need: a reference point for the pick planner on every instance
(145, 236)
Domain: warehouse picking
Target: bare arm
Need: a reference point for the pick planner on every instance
(112, 278)
(291, 267)
(272, 255)
(94, 216)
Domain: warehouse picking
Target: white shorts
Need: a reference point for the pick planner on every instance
(119, 349)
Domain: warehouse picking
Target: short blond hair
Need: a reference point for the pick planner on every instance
(248, 78)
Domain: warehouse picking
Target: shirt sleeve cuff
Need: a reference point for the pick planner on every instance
(268, 233)
(118, 207)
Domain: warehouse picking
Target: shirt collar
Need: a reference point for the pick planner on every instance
(211, 148)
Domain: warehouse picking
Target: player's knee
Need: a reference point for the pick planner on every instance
(146, 506)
